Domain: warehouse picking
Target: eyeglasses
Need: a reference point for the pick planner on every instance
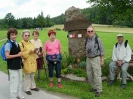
(90, 31)
(27, 35)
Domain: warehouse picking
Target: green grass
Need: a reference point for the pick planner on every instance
(81, 89)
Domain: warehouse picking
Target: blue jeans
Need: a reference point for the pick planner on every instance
(57, 67)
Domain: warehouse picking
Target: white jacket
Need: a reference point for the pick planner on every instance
(122, 53)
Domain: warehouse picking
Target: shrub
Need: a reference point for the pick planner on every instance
(79, 72)
(82, 64)
(67, 59)
(66, 71)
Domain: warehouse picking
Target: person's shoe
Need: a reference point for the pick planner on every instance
(111, 82)
(35, 89)
(60, 85)
(28, 92)
(20, 97)
(93, 90)
(123, 86)
(98, 94)
(51, 84)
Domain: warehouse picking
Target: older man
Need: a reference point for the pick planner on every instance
(121, 57)
(95, 59)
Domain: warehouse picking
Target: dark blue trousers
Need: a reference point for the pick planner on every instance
(57, 67)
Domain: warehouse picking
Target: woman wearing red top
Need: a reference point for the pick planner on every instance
(52, 49)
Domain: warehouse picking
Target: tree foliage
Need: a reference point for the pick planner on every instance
(40, 21)
(111, 12)
(59, 19)
(120, 10)
(9, 20)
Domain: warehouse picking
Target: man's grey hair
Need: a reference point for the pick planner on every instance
(90, 26)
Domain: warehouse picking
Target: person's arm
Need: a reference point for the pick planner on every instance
(25, 52)
(128, 54)
(8, 56)
(101, 48)
(60, 48)
(114, 58)
(7, 52)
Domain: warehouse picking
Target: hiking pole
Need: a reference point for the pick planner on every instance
(45, 71)
(40, 50)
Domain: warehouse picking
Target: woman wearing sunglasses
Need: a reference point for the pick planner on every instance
(28, 54)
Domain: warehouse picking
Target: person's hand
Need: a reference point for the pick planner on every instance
(40, 53)
(22, 60)
(36, 49)
(19, 54)
(102, 63)
(31, 51)
(119, 63)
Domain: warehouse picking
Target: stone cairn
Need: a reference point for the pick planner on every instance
(76, 25)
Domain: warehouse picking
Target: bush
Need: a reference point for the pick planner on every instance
(66, 71)
(67, 59)
(82, 64)
(79, 72)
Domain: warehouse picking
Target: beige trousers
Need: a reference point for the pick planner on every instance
(29, 82)
(15, 83)
(94, 73)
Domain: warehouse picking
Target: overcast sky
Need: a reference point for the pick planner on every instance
(32, 8)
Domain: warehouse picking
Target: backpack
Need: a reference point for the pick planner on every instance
(23, 44)
(125, 44)
(2, 52)
(96, 41)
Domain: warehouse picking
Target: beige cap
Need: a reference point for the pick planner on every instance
(120, 35)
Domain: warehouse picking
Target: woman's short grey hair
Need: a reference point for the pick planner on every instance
(25, 31)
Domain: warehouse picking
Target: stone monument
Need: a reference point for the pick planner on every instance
(76, 25)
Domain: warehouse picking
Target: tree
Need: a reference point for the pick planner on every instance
(48, 21)
(40, 20)
(9, 20)
(119, 9)
(59, 19)
(19, 23)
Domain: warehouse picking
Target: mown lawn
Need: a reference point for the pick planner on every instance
(81, 89)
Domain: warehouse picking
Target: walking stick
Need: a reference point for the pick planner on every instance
(40, 50)
(45, 71)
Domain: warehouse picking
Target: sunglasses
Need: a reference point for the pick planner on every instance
(90, 31)
(27, 35)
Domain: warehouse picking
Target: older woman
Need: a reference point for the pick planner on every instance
(39, 55)
(52, 50)
(28, 54)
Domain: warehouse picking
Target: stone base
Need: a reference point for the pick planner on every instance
(82, 79)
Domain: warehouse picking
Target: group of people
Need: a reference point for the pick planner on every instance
(121, 57)
(29, 56)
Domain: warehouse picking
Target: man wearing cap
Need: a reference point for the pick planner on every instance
(120, 58)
